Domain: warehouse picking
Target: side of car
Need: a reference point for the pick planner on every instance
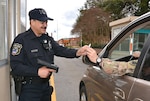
(96, 85)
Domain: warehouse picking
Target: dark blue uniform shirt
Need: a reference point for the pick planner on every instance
(27, 48)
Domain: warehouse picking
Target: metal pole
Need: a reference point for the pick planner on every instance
(81, 38)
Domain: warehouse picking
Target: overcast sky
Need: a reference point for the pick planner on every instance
(64, 13)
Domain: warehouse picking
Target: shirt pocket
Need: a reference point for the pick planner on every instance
(34, 55)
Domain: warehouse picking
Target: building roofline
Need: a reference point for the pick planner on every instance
(122, 21)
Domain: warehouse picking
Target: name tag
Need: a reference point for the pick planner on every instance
(34, 51)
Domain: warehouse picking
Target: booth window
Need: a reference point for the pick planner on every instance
(3, 45)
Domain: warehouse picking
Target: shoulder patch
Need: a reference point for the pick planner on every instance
(16, 49)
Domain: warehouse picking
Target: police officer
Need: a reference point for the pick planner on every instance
(35, 44)
(117, 68)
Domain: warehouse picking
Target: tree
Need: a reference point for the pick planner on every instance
(93, 24)
(143, 7)
(122, 8)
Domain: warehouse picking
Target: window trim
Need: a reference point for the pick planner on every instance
(3, 62)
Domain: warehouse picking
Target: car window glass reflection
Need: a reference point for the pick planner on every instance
(146, 68)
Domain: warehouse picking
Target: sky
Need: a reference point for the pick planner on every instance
(64, 13)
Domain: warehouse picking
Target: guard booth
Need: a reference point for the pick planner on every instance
(135, 41)
(12, 22)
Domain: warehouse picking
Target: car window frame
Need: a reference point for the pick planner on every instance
(131, 27)
(126, 35)
(142, 59)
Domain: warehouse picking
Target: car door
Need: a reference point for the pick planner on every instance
(132, 38)
(99, 85)
(141, 88)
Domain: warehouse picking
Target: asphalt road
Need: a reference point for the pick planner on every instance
(68, 78)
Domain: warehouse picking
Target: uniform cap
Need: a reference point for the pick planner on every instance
(39, 14)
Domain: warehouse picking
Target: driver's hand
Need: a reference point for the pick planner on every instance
(136, 54)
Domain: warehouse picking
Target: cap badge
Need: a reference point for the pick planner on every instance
(42, 11)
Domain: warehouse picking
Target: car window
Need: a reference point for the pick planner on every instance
(134, 41)
(145, 72)
(121, 50)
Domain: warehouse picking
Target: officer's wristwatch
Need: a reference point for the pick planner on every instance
(98, 60)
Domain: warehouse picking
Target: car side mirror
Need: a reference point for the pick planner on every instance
(87, 61)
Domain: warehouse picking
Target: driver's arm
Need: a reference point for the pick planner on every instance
(120, 68)
(117, 68)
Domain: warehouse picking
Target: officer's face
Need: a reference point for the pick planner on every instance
(39, 27)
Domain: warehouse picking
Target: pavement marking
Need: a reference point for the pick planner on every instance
(53, 84)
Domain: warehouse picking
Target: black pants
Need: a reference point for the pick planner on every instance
(36, 92)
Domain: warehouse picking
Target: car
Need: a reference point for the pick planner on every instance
(97, 85)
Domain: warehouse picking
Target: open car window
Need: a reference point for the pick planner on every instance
(133, 41)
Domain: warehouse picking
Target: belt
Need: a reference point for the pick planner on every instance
(35, 80)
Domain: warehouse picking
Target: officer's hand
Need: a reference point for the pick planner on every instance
(82, 51)
(44, 72)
